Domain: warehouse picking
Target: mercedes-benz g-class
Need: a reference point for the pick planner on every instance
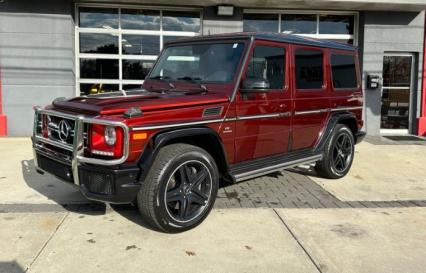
(231, 107)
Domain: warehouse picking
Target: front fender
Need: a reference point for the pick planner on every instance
(183, 135)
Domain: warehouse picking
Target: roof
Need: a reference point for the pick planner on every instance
(270, 36)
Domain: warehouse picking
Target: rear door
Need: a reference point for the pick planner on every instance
(311, 95)
(346, 94)
(264, 116)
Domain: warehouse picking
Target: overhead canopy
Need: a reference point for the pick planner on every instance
(353, 5)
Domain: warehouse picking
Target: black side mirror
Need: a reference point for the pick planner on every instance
(255, 84)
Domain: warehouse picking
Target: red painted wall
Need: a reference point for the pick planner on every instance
(3, 119)
(422, 118)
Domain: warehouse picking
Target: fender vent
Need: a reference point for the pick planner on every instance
(214, 111)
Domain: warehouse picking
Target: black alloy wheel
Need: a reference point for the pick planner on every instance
(338, 154)
(342, 152)
(188, 191)
(180, 188)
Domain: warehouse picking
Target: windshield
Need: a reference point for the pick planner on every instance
(216, 62)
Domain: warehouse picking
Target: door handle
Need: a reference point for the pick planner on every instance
(283, 106)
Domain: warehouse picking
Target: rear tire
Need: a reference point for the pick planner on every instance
(180, 188)
(338, 154)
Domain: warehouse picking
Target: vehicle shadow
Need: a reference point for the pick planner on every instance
(305, 170)
(11, 267)
(131, 213)
(62, 193)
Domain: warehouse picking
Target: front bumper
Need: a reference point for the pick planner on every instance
(99, 183)
(98, 179)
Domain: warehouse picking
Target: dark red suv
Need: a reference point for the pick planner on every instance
(229, 107)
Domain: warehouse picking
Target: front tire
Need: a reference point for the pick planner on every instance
(180, 188)
(338, 154)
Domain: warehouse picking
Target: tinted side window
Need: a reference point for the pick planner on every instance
(343, 71)
(309, 69)
(268, 63)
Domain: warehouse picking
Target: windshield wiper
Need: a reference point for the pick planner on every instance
(165, 79)
(196, 80)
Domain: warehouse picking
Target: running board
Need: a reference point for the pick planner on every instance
(255, 168)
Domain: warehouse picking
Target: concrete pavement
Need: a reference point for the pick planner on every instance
(382, 173)
(230, 240)
(302, 224)
(24, 184)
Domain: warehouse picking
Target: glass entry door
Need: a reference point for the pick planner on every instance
(396, 93)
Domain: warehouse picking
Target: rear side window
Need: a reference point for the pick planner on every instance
(343, 71)
(309, 69)
(268, 63)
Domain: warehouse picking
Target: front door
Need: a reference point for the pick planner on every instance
(264, 115)
(397, 87)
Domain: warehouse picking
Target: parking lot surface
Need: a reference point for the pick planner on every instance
(292, 221)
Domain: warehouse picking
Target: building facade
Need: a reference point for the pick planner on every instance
(61, 48)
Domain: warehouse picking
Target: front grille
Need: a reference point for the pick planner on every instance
(56, 168)
(97, 183)
(60, 129)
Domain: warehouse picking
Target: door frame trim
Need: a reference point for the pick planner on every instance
(411, 103)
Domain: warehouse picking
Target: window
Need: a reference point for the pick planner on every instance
(117, 47)
(260, 22)
(181, 21)
(343, 71)
(299, 23)
(309, 69)
(216, 62)
(268, 63)
(98, 18)
(337, 26)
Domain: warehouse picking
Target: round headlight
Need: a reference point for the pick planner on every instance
(110, 135)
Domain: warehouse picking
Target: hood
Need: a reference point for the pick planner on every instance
(119, 102)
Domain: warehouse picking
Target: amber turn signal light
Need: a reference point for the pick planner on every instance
(139, 136)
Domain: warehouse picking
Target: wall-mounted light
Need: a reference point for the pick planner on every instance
(225, 10)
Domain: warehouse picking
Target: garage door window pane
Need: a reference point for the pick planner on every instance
(167, 39)
(131, 87)
(136, 69)
(260, 22)
(98, 69)
(98, 18)
(140, 19)
(98, 43)
(96, 88)
(181, 21)
(309, 69)
(336, 24)
(140, 45)
(343, 71)
(299, 23)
